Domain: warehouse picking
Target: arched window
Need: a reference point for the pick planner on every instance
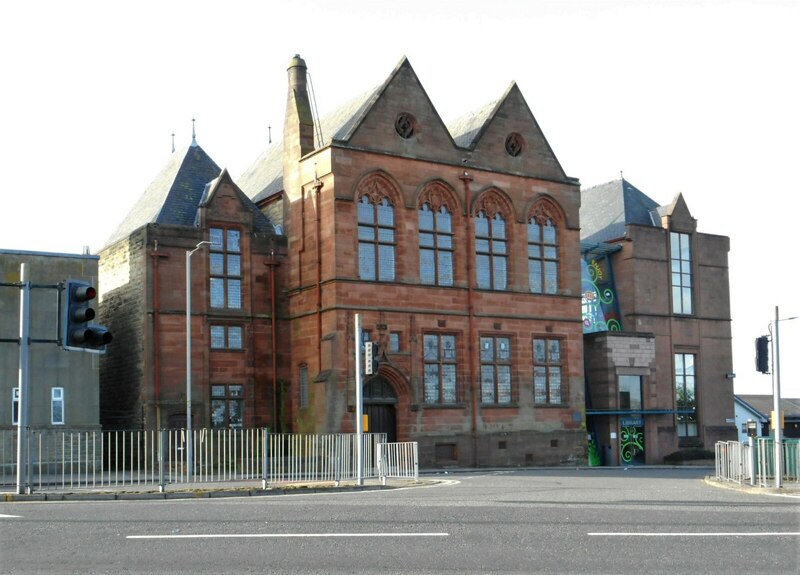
(376, 241)
(435, 246)
(542, 256)
(491, 252)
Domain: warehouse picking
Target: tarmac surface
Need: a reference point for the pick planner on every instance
(256, 488)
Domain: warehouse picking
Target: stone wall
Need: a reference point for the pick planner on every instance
(123, 288)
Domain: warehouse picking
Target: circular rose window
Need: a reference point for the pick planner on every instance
(405, 125)
(514, 144)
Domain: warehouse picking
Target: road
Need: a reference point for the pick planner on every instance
(528, 521)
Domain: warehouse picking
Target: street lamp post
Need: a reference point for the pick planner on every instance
(189, 439)
(776, 398)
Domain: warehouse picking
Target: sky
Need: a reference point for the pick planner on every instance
(697, 97)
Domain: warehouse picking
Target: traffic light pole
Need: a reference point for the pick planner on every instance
(23, 483)
(87, 337)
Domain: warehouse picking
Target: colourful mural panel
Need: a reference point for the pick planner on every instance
(600, 311)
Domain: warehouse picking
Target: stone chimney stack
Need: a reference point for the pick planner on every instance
(298, 127)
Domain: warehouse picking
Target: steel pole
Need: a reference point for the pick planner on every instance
(359, 407)
(189, 438)
(777, 406)
(189, 363)
(23, 480)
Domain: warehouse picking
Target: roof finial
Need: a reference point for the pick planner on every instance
(269, 128)
(621, 177)
(194, 137)
(173, 142)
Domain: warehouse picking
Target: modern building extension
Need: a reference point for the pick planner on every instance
(656, 312)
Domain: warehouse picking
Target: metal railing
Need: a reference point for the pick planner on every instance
(398, 461)
(740, 463)
(301, 458)
(92, 459)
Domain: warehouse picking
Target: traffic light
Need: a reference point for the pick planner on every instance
(370, 357)
(79, 333)
(762, 354)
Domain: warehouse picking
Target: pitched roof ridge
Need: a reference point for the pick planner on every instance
(467, 128)
(168, 197)
(351, 124)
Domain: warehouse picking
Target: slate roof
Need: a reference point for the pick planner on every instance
(174, 195)
(606, 210)
(261, 223)
(340, 124)
(264, 177)
(764, 404)
(465, 129)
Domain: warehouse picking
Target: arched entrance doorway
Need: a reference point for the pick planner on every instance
(380, 406)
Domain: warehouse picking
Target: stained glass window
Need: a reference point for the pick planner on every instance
(225, 268)
(226, 337)
(547, 371)
(435, 246)
(376, 240)
(491, 252)
(227, 406)
(495, 357)
(542, 257)
(439, 356)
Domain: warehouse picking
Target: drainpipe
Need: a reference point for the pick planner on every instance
(317, 188)
(273, 264)
(302, 249)
(156, 255)
(466, 178)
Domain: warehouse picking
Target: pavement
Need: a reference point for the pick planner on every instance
(256, 488)
(788, 488)
(196, 490)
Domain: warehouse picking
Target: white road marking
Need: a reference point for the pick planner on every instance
(282, 535)
(9, 516)
(723, 534)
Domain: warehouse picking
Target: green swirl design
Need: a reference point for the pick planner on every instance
(631, 443)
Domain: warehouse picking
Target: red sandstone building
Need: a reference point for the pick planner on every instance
(458, 245)
(143, 280)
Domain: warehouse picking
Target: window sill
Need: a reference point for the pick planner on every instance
(443, 406)
(499, 405)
